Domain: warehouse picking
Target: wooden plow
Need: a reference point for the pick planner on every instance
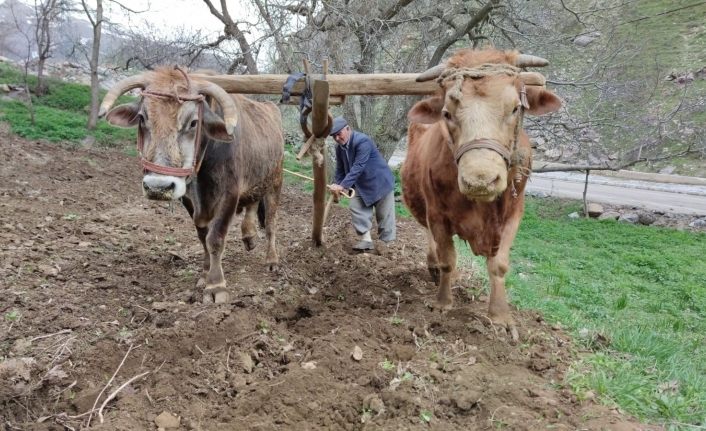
(327, 90)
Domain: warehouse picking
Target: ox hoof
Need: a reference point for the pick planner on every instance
(272, 266)
(249, 242)
(508, 326)
(216, 295)
(443, 305)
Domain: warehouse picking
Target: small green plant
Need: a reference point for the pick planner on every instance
(263, 327)
(396, 320)
(387, 365)
(426, 416)
(170, 240)
(71, 217)
(12, 316)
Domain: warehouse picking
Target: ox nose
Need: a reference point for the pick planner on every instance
(157, 187)
(161, 188)
(481, 182)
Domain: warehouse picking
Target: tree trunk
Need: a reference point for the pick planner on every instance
(95, 53)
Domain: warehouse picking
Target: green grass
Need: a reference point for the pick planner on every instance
(60, 115)
(643, 288)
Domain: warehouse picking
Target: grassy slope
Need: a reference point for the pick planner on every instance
(60, 116)
(642, 288)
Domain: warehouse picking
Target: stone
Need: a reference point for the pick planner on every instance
(574, 215)
(698, 223)
(629, 218)
(609, 215)
(668, 170)
(167, 420)
(246, 362)
(646, 218)
(594, 209)
(357, 353)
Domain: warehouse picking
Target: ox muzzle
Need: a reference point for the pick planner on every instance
(482, 169)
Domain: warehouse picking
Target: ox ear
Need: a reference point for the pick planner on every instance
(427, 111)
(541, 101)
(124, 115)
(214, 127)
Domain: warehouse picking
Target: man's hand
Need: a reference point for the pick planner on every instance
(336, 189)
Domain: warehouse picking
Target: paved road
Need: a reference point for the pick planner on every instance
(655, 196)
(675, 198)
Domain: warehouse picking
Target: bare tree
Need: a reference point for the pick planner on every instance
(95, 17)
(232, 31)
(47, 13)
(28, 56)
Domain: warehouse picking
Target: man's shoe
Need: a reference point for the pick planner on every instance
(363, 246)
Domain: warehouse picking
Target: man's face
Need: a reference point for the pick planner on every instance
(342, 136)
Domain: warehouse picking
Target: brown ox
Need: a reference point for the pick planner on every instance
(468, 162)
(216, 167)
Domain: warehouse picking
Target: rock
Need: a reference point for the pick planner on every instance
(586, 39)
(594, 209)
(167, 420)
(5, 88)
(698, 223)
(357, 353)
(574, 215)
(246, 362)
(646, 218)
(609, 215)
(629, 218)
(311, 365)
(668, 170)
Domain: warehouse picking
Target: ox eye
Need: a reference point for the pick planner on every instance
(446, 114)
(193, 124)
(517, 108)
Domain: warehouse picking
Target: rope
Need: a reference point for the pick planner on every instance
(350, 194)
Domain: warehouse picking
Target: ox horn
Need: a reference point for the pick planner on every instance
(526, 60)
(127, 84)
(431, 73)
(230, 113)
(533, 78)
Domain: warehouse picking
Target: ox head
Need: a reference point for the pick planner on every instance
(170, 116)
(482, 100)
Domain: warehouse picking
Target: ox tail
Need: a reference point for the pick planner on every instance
(261, 211)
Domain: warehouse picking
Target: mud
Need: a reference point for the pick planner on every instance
(93, 274)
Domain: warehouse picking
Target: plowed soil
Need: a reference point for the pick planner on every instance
(93, 275)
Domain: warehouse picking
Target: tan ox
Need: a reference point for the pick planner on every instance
(215, 167)
(468, 162)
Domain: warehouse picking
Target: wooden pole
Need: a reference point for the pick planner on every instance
(374, 84)
(320, 126)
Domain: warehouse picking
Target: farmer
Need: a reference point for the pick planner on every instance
(360, 166)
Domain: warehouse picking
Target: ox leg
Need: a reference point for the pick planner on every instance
(248, 227)
(201, 232)
(271, 205)
(498, 265)
(446, 253)
(432, 258)
(215, 290)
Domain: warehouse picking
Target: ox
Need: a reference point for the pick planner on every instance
(468, 161)
(215, 167)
